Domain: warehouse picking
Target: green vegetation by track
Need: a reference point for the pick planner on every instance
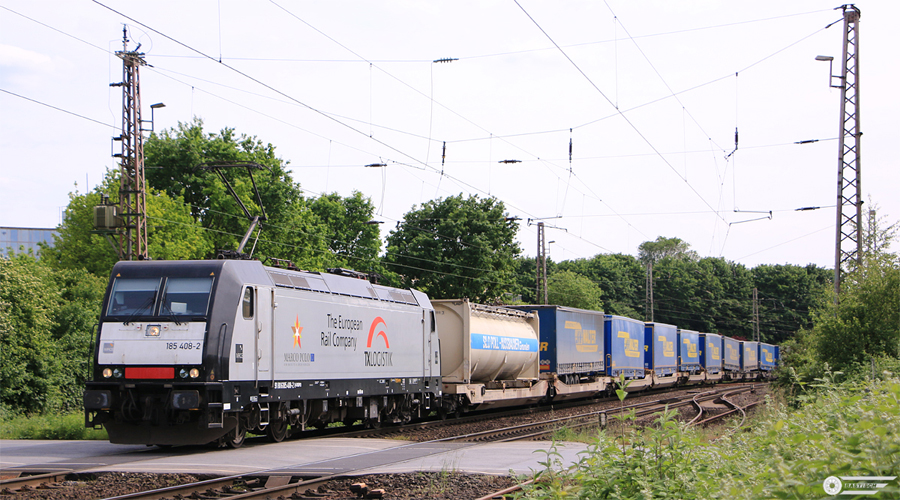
(67, 426)
(847, 429)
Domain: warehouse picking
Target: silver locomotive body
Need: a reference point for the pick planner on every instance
(190, 352)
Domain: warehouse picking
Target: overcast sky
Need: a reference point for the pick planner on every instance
(649, 94)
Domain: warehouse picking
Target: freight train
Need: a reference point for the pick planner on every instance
(195, 352)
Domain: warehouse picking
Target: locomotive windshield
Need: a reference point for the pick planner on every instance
(186, 296)
(141, 297)
(133, 297)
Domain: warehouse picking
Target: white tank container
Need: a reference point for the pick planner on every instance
(485, 343)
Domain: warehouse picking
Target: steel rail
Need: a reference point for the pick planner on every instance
(30, 481)
(539, 429)
(699, 408)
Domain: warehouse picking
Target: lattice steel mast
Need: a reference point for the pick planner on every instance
(848, 239)
(132, 188)
(540, 295)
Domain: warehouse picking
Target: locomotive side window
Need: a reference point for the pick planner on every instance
(186, 296)
(248, 303)
(133, 297)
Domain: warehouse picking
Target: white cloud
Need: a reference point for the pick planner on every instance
(16, 57)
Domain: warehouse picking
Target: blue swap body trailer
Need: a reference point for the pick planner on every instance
(688, 351)
(624, 341)
(571, 341)
(731, 354)
(711, 352)
(749, 356)
(659, 356)
(767, 360)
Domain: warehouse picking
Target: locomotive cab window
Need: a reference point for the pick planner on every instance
(247, 303)
(186, 296)
(133, 297)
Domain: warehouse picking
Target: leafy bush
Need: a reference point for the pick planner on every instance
(840, 430)
(47, 317)
(68, 426)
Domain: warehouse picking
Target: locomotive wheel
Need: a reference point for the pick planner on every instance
(373, 423)
(235, 439)
(276, 431)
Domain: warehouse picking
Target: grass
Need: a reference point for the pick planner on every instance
(67, 426)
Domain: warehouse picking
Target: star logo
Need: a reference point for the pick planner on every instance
(297, 329)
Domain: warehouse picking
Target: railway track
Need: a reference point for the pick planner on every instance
(539, 430)
(408, 430)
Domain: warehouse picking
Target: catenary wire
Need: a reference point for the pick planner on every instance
(58, 109)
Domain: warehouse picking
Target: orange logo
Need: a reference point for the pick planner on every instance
(378, 321)
(297, 329)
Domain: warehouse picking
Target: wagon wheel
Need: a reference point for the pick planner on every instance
(277, 430)
(235, 438)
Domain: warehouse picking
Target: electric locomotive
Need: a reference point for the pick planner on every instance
(193, 352)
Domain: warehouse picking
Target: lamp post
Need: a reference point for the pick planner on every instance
(154, 107)
(848, 237)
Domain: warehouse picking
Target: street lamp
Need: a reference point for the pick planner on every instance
(154, 107)
(831, 75)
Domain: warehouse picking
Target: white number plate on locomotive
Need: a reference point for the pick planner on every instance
(129, 345)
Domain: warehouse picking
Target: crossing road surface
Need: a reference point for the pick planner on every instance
(327, 455)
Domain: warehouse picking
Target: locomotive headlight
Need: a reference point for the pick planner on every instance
(195, 373)
(107, 373)
(117, 373)
(152, 331)
(183, 373)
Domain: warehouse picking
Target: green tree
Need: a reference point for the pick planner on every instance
(524, 290)
(650, 252)
(172, 232)
(290, 231)
(708, 295)
(787, 294)
(47, 317)
(865, 321)
(566, 288)
(621, 278)
(456, 247)
(350, 233)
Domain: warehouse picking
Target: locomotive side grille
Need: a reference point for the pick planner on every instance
(281, 279)
(299, 282)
